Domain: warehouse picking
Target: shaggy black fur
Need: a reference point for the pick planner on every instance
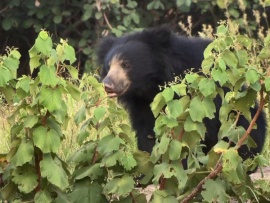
(134, 65)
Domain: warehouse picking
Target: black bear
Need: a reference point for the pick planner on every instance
(133, 67)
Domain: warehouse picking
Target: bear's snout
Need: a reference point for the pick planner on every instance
(109, 87)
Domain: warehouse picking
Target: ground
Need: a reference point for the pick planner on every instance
(255, 176)
(258, 175)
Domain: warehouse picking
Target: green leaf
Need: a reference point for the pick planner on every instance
(44, 43)
(94, 172)
(9, 191)
(87, 12)
(135, 17)
(98, 15)
(252, 76)
(15, 54)
(24, 153)
(229, 58)
(12, 64)
(175, 148)
(111, 159)
(24, 83)
(8, 92)
(168, 94)
(244, 41)
(221, 64)
(25, 177)
(99, 112)
(69, 54)
(80, 116)
(158, 104)
(231, 166)
(46, 139)
(84, 154)
(190, 126)
(47, 75)
(163, 196)
(145, 166)
(53, 170)
(168, 171)
(220, 76)
(160, 149)
(222, 29)
(30, 121)
(267, 84)
(175, 108)
(120, 186)
(109, 140)
(43, 197)
(180, 89)
(207, 64)
(243, 57)
(128, 162)
(180, 173)
(7, 23)
(207, 87)
(264, 54)
(51, 98)
(209, 107)
(57, 19)
(163, 145)
(73, 90)
(191, 77)
(73, 72)
(197, 113)
(215, 191)
(5, 76)
(85, 191)
(221, 147)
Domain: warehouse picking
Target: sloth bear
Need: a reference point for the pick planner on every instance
(134, 65)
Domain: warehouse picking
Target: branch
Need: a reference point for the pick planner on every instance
(252, 123)
(181, 135)
(107, 21)
(162, 182)
(38, 158)
(211, 175)
(219, 166)
(3, 9)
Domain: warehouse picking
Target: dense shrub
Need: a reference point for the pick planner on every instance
(84, 22)
(104, 166)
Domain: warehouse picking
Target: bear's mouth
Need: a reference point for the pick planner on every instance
(112, 93)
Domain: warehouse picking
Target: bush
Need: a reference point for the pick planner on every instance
(104, 167)
(84, 22)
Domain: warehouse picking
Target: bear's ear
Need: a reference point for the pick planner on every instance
(104, 47)
(158, 37)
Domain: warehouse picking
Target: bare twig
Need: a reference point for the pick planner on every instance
(107, 21)
(211, 175)
(2, 10)
(252, 123)
(219, 166)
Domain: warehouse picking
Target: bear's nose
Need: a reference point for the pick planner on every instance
(108, 84)
(109, 87)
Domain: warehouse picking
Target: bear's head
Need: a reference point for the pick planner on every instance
(135, 64)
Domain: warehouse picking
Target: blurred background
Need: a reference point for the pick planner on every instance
(84, 22)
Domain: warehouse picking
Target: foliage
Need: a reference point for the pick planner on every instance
(33, 167)
(105, 167)
(84, 22)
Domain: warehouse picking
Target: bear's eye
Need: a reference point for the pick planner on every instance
(107, 67)
(125, 65)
